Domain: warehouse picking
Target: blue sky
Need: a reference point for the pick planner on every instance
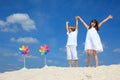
(38, 22)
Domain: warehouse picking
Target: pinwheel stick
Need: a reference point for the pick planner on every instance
(45, 61)
(24, 62)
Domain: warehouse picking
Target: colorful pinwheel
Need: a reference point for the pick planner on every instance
(44, 50)
(24, 51)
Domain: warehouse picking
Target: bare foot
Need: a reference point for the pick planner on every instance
(96, 66)
(88, 66)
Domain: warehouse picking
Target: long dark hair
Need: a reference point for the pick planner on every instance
(96, 24)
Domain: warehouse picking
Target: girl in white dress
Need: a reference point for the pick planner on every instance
(93, 43)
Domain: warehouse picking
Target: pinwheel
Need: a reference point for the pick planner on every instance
(24, 51)
(44, 50)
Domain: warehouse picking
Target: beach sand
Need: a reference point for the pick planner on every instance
(111, 72)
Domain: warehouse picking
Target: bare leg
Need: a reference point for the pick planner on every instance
(70, 63)
(95, 58)
(88, 58)
(76, 63)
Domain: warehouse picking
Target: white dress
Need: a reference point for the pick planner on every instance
(93, 41)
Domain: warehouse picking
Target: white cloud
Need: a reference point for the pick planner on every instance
(2, 23)
(117, 50)
(24, 40)
(23, 20)
(28, 56)
(49, 61)
(62, 49)
(52, 61)
(105, 45)
(32, 57)
(8, 29)
(9, 54)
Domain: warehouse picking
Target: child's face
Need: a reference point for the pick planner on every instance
(70, 30)
(93, 24)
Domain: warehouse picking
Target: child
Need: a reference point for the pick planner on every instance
(93, 43)
(71, 45)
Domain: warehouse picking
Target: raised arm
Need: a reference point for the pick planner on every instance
(102, 22)
(76, 23)
(83, 22)
(67, 26)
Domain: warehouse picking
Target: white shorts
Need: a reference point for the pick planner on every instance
(71, 52)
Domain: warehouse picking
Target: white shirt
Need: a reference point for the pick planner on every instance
(72, 38)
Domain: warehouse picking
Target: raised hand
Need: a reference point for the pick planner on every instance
(77, 17)
(110, 16)
(67, 22)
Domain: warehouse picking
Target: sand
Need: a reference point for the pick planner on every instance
(111, 72)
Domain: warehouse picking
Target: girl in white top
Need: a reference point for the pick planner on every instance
(93, 43)
(72, 32)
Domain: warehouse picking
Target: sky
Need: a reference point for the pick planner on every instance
(38, 22)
